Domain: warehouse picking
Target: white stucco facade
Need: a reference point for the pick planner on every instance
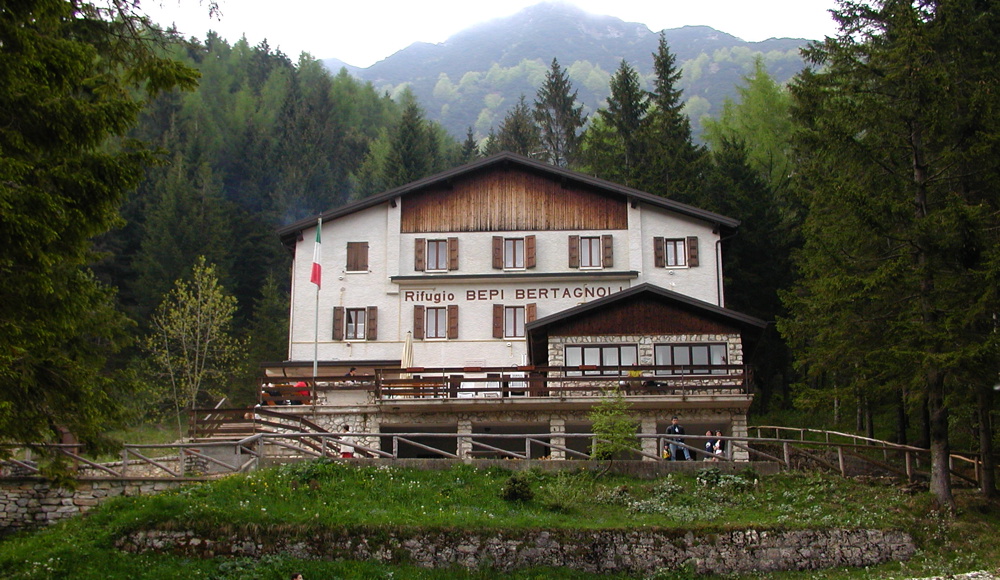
(393, 285)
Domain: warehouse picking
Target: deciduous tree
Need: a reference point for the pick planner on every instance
(192, 343)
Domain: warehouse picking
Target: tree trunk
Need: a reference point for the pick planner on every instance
(902, 420)
(987, 481)
(940, 447)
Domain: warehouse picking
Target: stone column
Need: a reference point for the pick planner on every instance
(557, 426)
(738, 426)
(464, 443)
(647, 426)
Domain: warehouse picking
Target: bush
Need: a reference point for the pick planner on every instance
(517, 488)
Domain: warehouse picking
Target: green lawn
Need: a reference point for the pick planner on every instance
(315, 496)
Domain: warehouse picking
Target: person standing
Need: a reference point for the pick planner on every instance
(297, 576)
(346, 449)
(676, 450)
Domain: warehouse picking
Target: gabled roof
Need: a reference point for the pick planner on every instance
(737, 318)
(537, 330)
(505, 159)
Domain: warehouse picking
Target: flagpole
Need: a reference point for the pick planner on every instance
(317, 278)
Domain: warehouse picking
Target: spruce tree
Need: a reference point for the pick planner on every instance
(671, 164)
(613, 147)
(518, 133)
(901, 262)
(558, 117)
(72, 79)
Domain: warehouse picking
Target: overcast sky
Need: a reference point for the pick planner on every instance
(362, 32)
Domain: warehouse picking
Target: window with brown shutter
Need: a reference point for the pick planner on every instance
(372, 333)
(418, 322)
(692, 250)
(453, 253)
(659, 260)
(498, 321)
(529, 251)
(607, 241)
(574, 251)
(338, 323)
(357, 256)
(453, 321)
(531, 311)
(419, 254)
(498, 252)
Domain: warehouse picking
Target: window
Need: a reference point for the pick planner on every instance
(513, 253)
(436, 323)
(675, 252)
(601, 356)
(357, 256)
(590, 252)
(355, 324)
(437, 254)
(694, 359)
(513, 322)
(509, 321)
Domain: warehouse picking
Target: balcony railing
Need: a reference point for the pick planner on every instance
(557, 381)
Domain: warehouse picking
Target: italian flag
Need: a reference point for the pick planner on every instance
(317, 269)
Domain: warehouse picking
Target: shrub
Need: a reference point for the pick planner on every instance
(517, 488)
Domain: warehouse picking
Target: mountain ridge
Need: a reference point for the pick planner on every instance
(508, 57)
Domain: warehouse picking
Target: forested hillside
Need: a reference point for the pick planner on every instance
(261, 142)
(475, 77)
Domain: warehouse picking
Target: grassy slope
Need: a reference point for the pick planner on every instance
(309, 497)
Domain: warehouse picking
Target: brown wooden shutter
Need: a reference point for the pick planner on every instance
(659, 253)
(574, 251)
(608, 243)
(498, 252)
(372, 331)
(418, 322)
(357, 256)
(530, 312)
(498, 320)
(420, 254)
(338, 323)
(692, 248)
(453, 253)
(452, 321)
(529, 251)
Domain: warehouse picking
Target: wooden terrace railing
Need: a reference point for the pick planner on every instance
(557, 381)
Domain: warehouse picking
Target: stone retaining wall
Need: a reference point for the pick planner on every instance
(593, 551)
(31, 502)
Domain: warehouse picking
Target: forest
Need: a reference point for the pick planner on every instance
(139, 196)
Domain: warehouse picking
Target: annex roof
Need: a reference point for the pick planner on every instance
(537, 330)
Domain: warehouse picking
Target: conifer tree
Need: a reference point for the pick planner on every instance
(613, 144)
(72, 79)
(670, 163)
(410, 156)
(558, 117)
(901, 262)
(518, 133)
(470, 149)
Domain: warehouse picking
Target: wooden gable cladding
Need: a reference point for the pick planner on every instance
(503, 200)
(643, 315)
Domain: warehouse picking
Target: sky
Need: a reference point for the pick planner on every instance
(362, 32)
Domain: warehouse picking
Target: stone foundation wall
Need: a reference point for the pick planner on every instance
(32, 503)
(596, 551)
